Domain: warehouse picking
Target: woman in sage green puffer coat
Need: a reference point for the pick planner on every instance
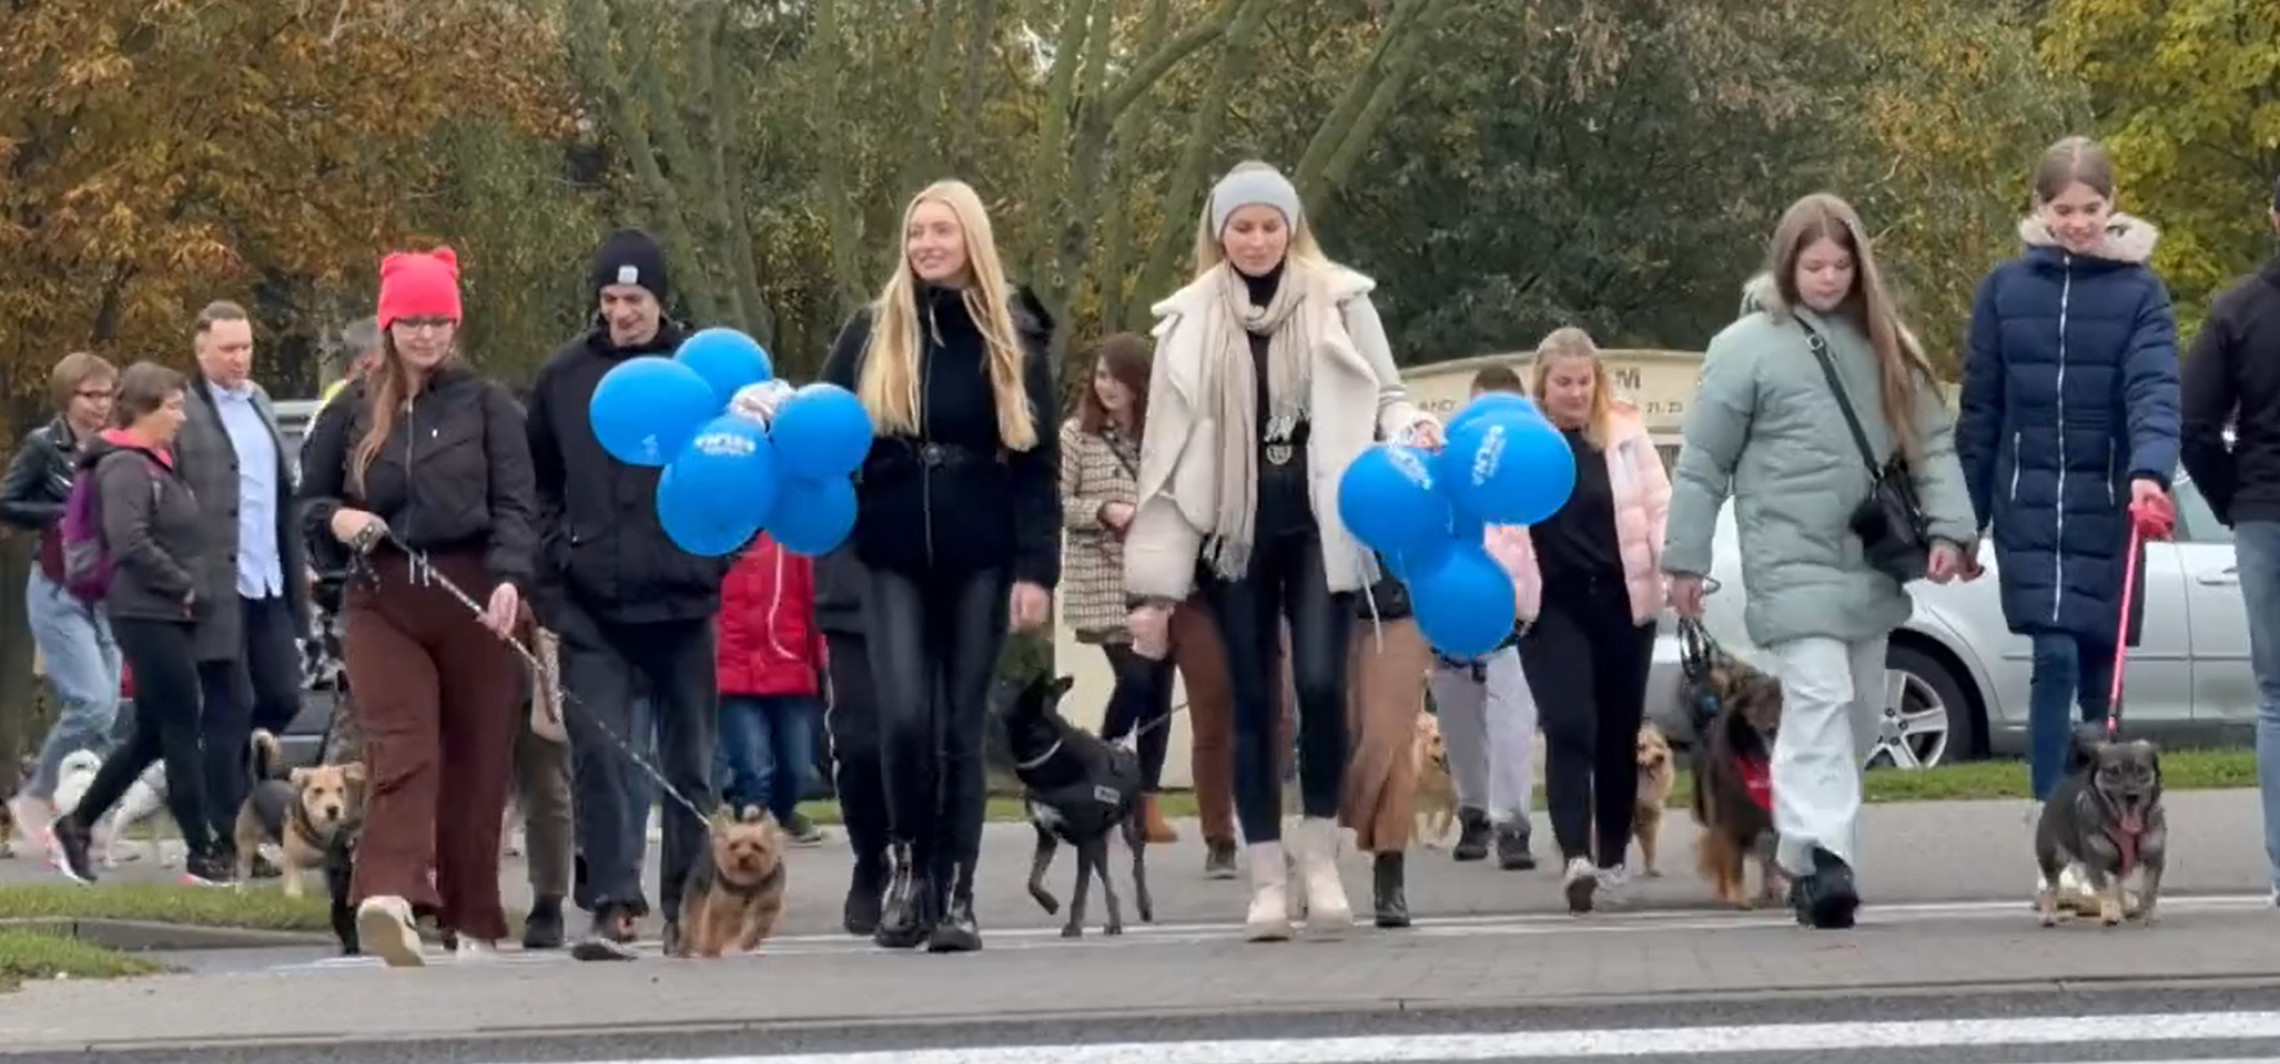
(1766, 429)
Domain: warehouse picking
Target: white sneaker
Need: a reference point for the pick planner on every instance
(471, 951)
(1579, 883)
(1268, 918)
(384, 928)
(1614, 889)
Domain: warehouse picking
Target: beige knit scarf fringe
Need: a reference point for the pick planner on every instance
(1292, 327)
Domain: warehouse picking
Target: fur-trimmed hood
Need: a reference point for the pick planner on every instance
(2129, 239)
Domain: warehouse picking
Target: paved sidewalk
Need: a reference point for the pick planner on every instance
(1667, 957)
(1915, 852)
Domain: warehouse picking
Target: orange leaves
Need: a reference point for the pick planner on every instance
(158, 154)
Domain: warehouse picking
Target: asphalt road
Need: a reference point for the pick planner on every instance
(2228, 1023)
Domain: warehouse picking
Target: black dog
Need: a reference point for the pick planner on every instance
(1079, 789)
(340, 870)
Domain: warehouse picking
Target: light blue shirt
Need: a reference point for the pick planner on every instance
(260, 567)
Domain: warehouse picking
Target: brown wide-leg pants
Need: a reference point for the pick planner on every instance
(1386, 692)
(439, 700)
(1202, 662)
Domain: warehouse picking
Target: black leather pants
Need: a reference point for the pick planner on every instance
(934, 643)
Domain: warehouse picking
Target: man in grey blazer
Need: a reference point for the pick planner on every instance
(256, 577)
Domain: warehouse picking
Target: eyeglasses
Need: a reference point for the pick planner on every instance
(429, 324)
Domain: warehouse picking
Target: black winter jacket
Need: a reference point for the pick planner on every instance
(606, 554)
(951, 498)
(2233, 377)
(453, 475)
(39, 478)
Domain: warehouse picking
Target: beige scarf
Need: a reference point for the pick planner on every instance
(1291, 325)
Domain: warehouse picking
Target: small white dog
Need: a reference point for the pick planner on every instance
(139, 807)
(73, 777)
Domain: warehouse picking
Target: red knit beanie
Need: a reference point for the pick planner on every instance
(419, 284)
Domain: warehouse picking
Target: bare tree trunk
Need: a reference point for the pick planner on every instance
(1044, 202)
(980, 46)
(591, 39)
(826, 126)
(1196, 162)
(1396, 62)
(726, 201)
(929, 100)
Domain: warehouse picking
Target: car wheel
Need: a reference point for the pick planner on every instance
(1922, 713)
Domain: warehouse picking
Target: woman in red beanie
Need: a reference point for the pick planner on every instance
(425, 461)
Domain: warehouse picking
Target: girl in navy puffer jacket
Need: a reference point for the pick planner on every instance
(2069, 418)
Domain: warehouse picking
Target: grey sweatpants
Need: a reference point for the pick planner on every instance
(1488, 720)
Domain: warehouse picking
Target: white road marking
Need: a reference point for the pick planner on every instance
(1135, 935)
(1755, 1039)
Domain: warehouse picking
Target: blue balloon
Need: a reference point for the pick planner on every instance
(813, 515)
(727, 360)
(1503, 469)
(1387, 499)
(692, 526)
(728, 473)
(821, 432)
(645, 409)
(1464, 602)
(1503, 403)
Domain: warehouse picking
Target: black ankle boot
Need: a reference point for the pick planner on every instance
(542, 929)
(864, 888)
(956, 931)
(1387, 892)
(1512, 847)
(902, 915)
(1472, 835)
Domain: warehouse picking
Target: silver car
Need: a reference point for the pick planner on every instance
(1957, 685)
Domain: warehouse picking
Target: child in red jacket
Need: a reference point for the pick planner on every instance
(770, 657)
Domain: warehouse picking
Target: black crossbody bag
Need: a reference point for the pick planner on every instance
(1890, 522)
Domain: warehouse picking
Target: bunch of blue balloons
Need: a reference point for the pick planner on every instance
(742, 451)
(1425, 513)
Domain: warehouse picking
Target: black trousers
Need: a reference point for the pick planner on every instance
(164, 659)
(1285, 582)
(260, 688)
(672, 661)
(1587, 663)
(1142, 699)
(934, 642)
(857, 775)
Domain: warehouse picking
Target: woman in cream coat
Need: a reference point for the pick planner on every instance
(1272, 374)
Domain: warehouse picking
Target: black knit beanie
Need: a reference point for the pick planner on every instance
(630, 256)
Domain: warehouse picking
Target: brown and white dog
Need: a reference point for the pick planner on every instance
(301, 811)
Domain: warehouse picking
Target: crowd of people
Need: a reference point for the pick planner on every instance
(1186, 514)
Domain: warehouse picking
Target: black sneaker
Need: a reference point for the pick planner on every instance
(1472, 835)
(208, 870)
(1512, 847)
(672, 938)
(542, 929)
(1828, 898)
(72, 840)
(610, 938)
(1219, 859)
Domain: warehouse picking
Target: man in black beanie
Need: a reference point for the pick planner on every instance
(633, 610)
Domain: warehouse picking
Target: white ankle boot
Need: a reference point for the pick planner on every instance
(1317, 852)
(1269, 917)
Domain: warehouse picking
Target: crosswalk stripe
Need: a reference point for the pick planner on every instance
(1028, 938)
(1761, 1039)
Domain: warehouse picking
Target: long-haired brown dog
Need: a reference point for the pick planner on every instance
(1732, 761)
(1658, 775)
(1436, 789)
(736, 892)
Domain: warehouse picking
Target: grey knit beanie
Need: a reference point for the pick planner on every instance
(1253, 184)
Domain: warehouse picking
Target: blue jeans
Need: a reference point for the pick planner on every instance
(82, 663)
(641, 795)
(2068, 670)
(766, 755)
(2256, 550)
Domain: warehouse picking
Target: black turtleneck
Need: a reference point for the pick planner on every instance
(1286, 506)
(938, 498)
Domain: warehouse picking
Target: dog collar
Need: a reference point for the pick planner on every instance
(1023, 766)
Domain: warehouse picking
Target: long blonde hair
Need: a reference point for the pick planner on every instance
(1900, 365)
(1570, 342)
(1208, 253)
(889, 382)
